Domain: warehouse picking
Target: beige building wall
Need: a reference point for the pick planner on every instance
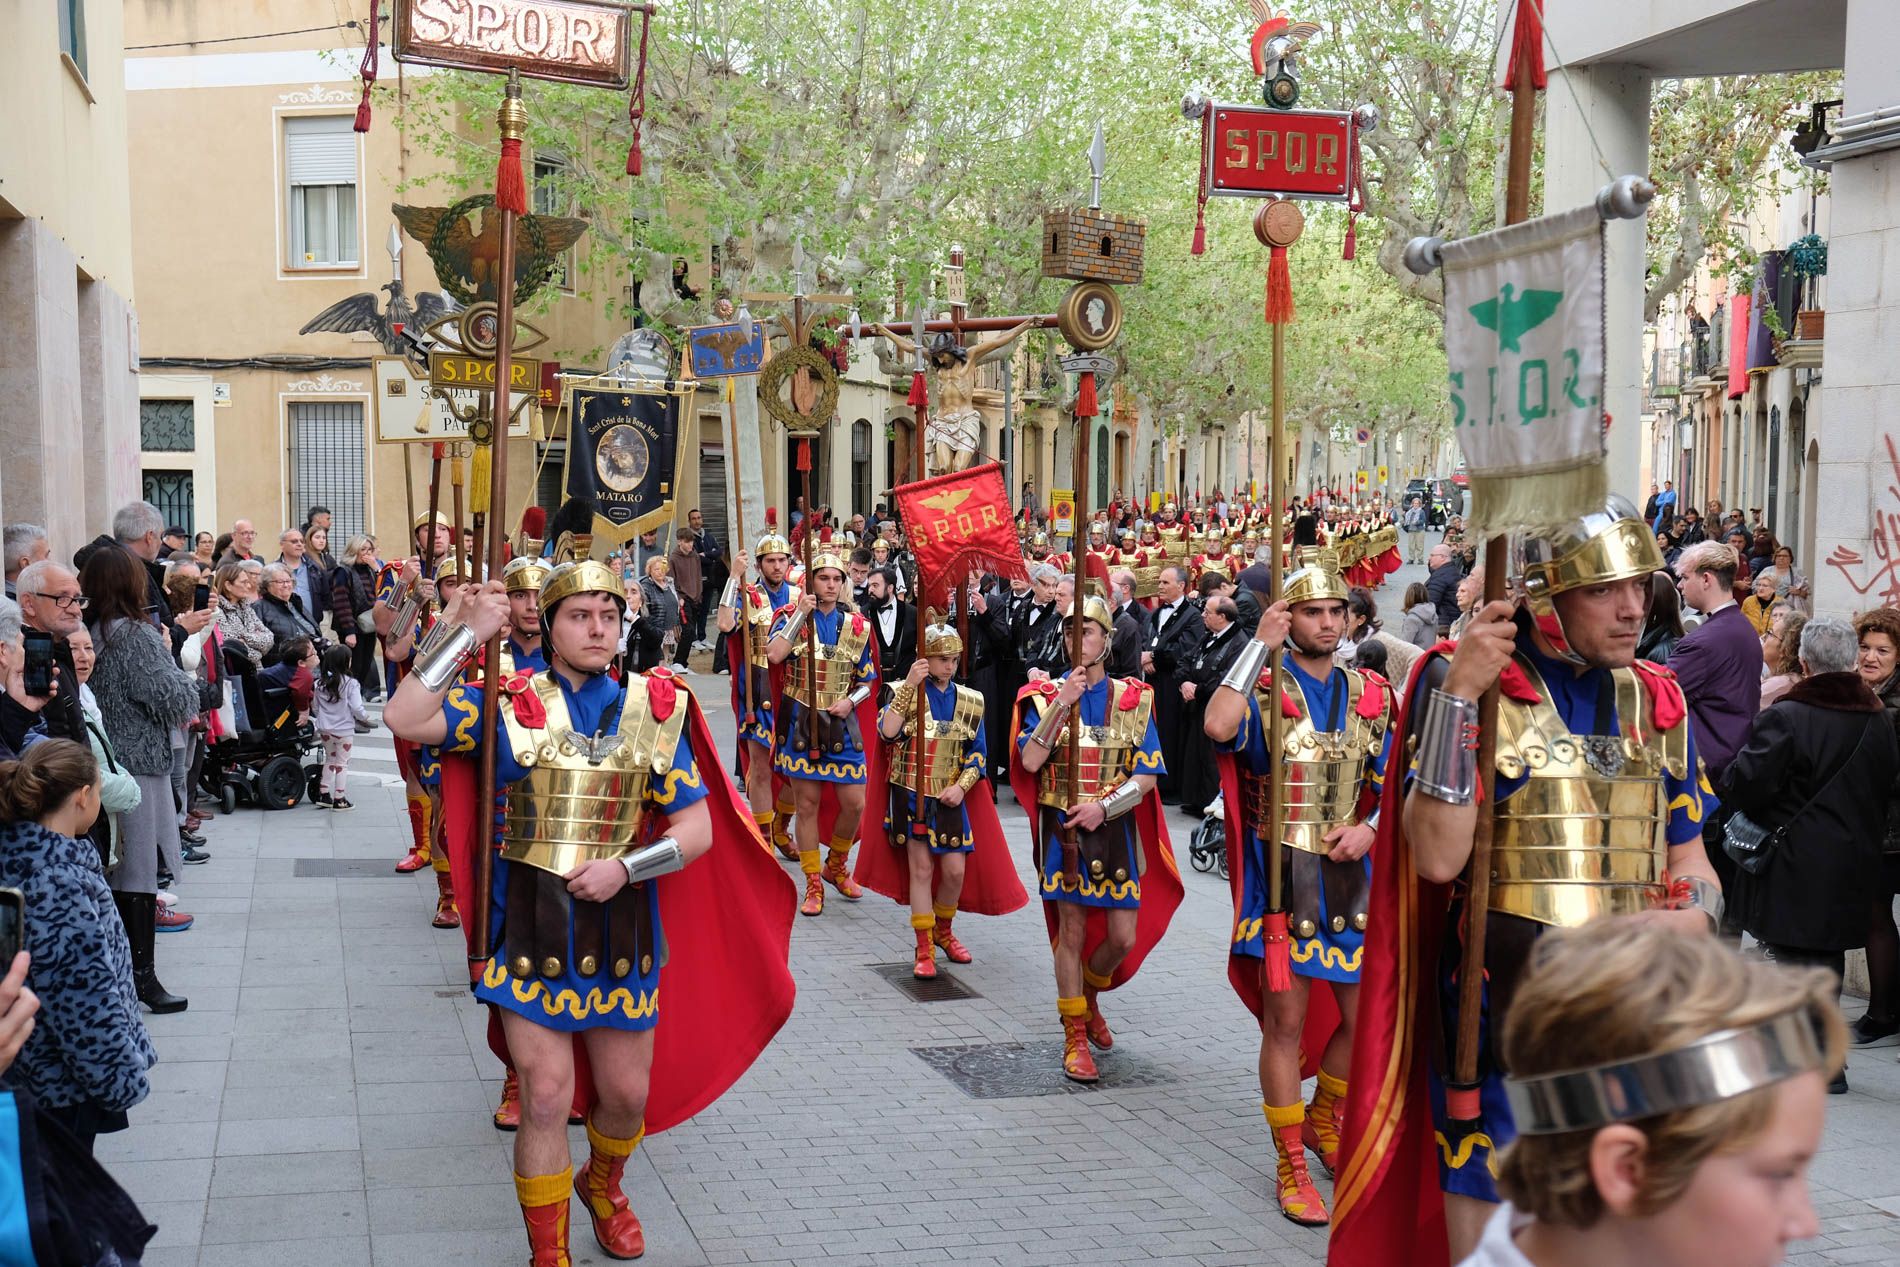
(229, 298)
(69, 334)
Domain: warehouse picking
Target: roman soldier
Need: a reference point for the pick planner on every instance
(745, 620)
(1335, 739)
(1597, 811)
(623, 859)
(939, 845)
(1086, 757)
(1172, 532)
(405, 592)
(452, 574)
(830, 673)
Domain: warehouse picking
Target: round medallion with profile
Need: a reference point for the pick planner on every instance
(1090, 316)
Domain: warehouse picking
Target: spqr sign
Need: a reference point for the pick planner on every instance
(575, 41)
(1256, 152)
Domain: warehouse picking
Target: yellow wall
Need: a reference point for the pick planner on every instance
(64, 161)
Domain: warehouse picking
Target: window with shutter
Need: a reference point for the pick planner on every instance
(320, 178)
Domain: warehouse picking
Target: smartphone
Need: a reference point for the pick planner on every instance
(37, 677)
(200, 598)
(12, 926)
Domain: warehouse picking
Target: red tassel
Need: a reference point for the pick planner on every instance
(637, 102)
(1279, 289)
(368, 69)
(1352, 237)
(1200, 230)
(1527, 41)
(919, 393)
(1085, 406)
(511, 192)
(804, 455)
(1279, 954)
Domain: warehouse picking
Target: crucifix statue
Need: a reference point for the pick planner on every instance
(955, 427)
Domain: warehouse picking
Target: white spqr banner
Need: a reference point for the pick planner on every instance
(1524, 339)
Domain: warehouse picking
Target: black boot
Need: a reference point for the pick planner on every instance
(139, 911)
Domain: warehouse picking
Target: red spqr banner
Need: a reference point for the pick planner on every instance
(959, 522)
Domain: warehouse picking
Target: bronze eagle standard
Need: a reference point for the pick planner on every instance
(468, 261)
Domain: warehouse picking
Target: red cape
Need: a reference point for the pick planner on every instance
(727, 918)
(1387, 1205)
(1161, 890)
(990, 883)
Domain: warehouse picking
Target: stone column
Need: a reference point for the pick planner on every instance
(1609, 103)
(40, 402)
(109, 403)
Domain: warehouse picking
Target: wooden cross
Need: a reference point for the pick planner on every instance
(797, 329)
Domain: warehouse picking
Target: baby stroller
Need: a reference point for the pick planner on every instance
(1207, 845)
(265, 765)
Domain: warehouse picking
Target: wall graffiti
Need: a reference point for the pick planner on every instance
(1879, 576)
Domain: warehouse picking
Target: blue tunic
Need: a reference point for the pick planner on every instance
(429, 756)
(572, 1001)
(1468, 1167)
(1144, 758)
(1327, 955)
(942, 702)
(847, 765)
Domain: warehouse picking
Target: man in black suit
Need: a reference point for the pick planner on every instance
(997, 614)
(1037, 630)
(1177, 634)
(893, 626)
(1131, 626)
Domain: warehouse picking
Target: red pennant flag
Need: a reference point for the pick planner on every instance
(958, 522)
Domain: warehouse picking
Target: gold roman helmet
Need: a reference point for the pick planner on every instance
(572, 572)
(942, 640)
(525, 573)
(453, 567)
(772, 543)
(1611, 544)
(819, 562)
(1094, 608)
(441, 520)
(1316, 579)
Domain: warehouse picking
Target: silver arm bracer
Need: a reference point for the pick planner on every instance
(1448, 748)
(439, 666)
(662, 857)
(1121, 799)
(1049, 725)
(1244, 672)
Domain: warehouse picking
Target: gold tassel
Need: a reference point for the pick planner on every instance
(478, 487)
(1534, 503)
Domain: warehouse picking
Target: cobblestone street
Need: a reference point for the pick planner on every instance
(326, 1098)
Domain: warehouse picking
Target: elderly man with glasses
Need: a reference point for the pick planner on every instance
(51, 605)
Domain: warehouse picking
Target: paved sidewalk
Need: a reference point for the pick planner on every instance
(326, 1098)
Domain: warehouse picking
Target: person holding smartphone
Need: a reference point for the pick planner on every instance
(51, 608)
(86, 1066)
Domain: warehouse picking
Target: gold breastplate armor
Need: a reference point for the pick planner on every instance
(837, 661)
(757, 622)
(584, 796)
(1585, 835)
(945, 744)
(1324, 769)
(1103, 754)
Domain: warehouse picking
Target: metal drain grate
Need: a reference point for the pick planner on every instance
(941, 988)
(346, 869)
(1001, 1071)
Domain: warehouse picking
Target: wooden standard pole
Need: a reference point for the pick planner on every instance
(1517, 201)
(511, 121)
(744, 668)
(1084, 425)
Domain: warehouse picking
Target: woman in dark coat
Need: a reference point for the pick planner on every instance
(280, 607)
(1821, 760)
(1200, 776)
(1879, 631)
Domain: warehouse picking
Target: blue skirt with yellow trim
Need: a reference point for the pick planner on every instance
(1123, 854)
(844, 765)
(1325, 956)
(571, 1001)
(936, 833)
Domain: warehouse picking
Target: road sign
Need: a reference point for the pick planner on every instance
(409, 412)
(1062, 510)
(573, 41)
(1257, 152)
(456, 369)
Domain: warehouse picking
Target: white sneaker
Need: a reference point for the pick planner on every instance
(166, 899)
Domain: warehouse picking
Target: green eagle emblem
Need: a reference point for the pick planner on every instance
(1515, 318)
